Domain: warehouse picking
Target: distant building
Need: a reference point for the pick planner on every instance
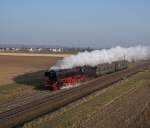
(30, 49)
(13, 49)
(39, 49)
(56, 49)
(2, 50)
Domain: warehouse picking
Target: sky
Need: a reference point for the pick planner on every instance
(75, 23)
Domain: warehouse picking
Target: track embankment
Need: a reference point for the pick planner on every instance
(130, 110)
(29, 111)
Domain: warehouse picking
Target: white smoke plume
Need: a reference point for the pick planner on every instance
(96, 57)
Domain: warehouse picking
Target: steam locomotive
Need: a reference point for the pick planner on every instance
(57, 79)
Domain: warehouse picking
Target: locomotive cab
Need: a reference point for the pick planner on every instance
(51, 80)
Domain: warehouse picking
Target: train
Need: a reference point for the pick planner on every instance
(61, 78)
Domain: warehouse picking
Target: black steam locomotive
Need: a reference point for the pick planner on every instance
(57, 79)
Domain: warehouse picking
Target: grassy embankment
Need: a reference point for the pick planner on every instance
(73, 114)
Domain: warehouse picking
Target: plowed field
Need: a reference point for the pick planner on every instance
(21, 74)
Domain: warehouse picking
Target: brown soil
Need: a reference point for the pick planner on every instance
(34, 54)
(11, 66)
(20, 75)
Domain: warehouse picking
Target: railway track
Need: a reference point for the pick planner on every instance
(20, 114)
(21, 100)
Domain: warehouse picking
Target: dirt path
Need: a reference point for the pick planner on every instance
(33, 54)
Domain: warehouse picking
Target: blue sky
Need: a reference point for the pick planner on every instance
(85, 23)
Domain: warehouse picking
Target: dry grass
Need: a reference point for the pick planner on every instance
(22, 74)
(80, 113)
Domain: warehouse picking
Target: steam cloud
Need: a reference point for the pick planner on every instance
(96, 57)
